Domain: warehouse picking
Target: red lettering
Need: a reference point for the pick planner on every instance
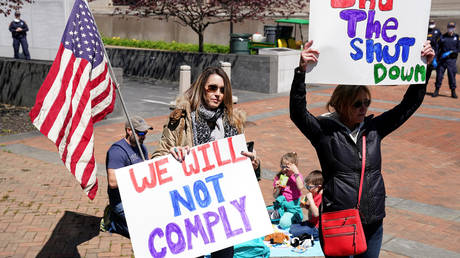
(218, 157)
(204, 150)
(145, 182)
(388, 6)
(342, 3)
(232, 152)
(193, 169)
(362, 4)
(161, 171)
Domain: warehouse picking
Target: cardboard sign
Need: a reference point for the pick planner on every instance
(210, 201)
(373, 42)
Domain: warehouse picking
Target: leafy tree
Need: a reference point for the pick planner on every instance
(7, 6)
(199, 14)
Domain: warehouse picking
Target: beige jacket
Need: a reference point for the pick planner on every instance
(178, 131)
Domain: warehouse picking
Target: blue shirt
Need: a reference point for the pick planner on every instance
(121, 154)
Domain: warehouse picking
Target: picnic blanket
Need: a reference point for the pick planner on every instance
(286, 250)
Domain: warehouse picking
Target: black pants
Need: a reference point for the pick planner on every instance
(451, 65)
(224, 253)
(25, 47)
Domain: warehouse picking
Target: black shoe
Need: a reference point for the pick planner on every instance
(454, 95)
(435, 93)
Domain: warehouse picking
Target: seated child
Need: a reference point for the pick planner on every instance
(286, 189)
(311, 202)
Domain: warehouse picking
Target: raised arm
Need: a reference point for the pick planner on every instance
(304, 120)
(394, 118)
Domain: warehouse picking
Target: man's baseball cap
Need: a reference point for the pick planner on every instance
(451, 25)
(139, 124)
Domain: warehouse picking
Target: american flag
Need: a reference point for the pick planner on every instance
(77, 92)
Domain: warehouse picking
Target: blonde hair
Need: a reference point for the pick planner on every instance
(343, 97)
(197, 93)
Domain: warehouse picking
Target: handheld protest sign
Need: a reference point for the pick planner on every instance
(373, 42)
(210, 201)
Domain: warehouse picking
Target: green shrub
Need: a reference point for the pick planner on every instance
(162, 45)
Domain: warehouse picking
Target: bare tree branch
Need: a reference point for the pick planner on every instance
(199, 14)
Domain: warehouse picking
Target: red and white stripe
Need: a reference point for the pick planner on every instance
(72, 98)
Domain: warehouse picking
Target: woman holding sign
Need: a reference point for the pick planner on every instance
(205, 113)
(338, 140)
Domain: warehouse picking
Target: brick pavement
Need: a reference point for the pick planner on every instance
(45, 213)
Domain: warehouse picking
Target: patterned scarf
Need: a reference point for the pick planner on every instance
(208, 121)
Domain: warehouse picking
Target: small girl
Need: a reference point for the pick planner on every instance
(287, 186)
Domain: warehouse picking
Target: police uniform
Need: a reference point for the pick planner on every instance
(434, 35)
(447, 43)
(19, 37)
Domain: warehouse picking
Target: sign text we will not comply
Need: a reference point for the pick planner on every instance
(368, 42)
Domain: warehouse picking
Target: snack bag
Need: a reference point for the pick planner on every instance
(283, 180)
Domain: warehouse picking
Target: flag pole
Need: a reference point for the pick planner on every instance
(112, 74)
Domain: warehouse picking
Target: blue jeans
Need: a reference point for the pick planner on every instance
(374, 235)
(118, 221)
(304, 228)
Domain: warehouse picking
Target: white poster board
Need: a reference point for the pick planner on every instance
(373, 42)
(210, 201)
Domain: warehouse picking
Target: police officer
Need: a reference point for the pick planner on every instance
(19, 30)
(449, 46)
(433, 36)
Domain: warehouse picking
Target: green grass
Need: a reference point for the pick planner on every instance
(162, 45)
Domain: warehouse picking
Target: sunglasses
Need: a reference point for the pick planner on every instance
(214, 88)
(360, 103)
(139, 133)
(309, 187)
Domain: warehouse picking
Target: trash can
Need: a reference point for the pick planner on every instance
(284, 32)
(270, 33)
(239, 43)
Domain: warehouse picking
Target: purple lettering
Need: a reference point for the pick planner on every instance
(179, 246)
(372, 27)
(156, 232)
(195, 228)
(388, 26)
(353, 17)
(241, 207)
(211, 219)
(227, 228)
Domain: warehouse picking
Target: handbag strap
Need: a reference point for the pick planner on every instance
(363, 167)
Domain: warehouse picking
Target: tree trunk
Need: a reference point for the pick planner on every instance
(200, 41)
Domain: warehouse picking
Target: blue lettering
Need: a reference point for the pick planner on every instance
(359, 53)
(176, 198)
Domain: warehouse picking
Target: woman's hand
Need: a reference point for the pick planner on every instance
(253, 156)
(428, 52)
(179, 153)
(308, 55)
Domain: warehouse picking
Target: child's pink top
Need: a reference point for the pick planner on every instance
(290, 192)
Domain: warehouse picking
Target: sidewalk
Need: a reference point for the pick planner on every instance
(44, 212)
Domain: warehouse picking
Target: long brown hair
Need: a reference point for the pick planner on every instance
(196, 94)
(343, 96)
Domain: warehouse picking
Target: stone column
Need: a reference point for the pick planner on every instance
(227, 67)
(184, 82)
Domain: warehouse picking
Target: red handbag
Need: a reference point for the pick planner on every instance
(342, 231)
